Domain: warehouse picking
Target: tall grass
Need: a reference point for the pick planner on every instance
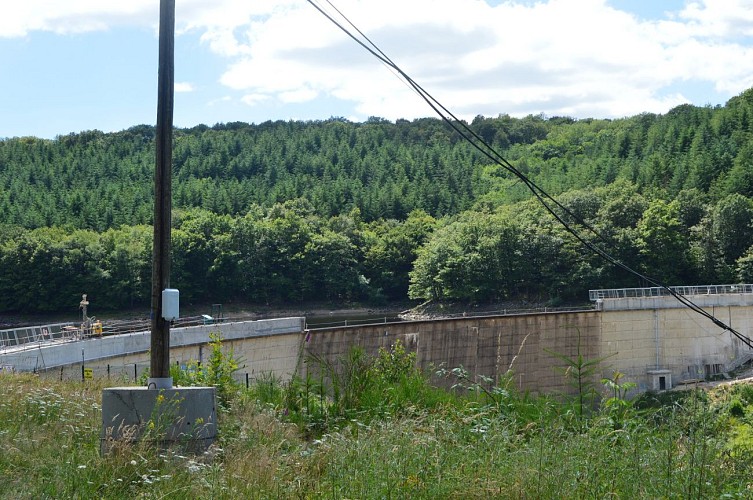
(391, 435)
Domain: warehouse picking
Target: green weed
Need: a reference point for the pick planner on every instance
(389, 434)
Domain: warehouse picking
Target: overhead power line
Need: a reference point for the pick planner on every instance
(547, 201)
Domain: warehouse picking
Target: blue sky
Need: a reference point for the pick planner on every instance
(92, 64)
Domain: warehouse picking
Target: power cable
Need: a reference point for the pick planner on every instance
(470, 136)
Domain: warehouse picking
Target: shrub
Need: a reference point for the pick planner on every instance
(216, 372)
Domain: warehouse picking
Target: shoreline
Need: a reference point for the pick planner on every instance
(405, 310)
(233, 310)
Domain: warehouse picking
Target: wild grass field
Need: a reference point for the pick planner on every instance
(376, 428)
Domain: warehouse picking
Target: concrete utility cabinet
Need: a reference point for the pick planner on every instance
(184, 418)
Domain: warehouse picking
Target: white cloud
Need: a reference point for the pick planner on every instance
(298, 95)
(74, 16)
(184, 87)
(575, 57)
(254, 99)
(720, 18)
(220, 100)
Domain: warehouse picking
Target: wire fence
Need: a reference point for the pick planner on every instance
(137, 373)
(674, 375)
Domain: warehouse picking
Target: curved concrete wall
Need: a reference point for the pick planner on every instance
(488, 346)
(134, 347)
(647, 344)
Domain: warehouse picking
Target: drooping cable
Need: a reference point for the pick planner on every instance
(469, 135)
(454, 122)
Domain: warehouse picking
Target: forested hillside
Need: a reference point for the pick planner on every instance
(285, 212)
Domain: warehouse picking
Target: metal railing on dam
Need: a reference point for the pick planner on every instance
(626, 293)
(29, 334)
(31, 337)
(643, 341)
(386, 320)
(72, 331)
(43, 355)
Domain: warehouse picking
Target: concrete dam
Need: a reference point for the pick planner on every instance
(644, 333)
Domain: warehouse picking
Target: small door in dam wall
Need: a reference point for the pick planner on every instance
(659, 380)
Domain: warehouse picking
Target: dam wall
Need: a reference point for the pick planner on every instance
(523, 346)
(268, 346)
(653, 340)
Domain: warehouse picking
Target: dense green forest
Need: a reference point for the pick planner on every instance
(289, 212)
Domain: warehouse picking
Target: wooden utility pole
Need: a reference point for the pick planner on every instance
(160, 345)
